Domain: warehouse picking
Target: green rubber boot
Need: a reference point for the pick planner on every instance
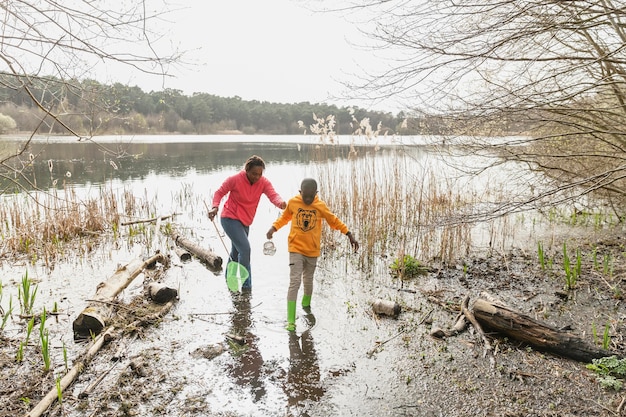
(291, 316)
(306, 300)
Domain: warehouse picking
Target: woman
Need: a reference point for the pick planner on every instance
(244, 191)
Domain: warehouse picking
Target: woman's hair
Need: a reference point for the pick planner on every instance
(254, 161)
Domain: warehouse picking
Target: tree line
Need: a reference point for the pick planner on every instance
(92, 108)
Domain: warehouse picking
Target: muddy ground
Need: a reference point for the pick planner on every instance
(241, 362)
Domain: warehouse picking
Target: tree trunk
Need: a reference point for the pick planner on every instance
(518, 326)
(205, 255)
(94, 317)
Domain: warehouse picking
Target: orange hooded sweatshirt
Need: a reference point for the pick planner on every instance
(306, 225)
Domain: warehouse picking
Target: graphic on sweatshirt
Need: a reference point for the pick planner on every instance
(306, 219)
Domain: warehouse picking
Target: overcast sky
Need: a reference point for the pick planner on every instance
(274, 50)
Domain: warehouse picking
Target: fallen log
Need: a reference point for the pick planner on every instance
(515, 325)
(207, 256)
(94, 317)
(184, 255)
(151, 220)
(160, 293)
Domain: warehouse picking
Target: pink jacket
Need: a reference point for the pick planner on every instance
(244, 197)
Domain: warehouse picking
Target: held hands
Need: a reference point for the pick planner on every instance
(212, 213)
(270, 233)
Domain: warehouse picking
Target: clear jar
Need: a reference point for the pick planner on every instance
(269, 248)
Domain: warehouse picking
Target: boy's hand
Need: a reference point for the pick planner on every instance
(270, 232)
(353, 242)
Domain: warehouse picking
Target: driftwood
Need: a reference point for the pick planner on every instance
(151, 220)
(502, 319)
(160, 293)
(207, 256)
(387, 308)
(472, 318)
(183, 254)
(95, 316)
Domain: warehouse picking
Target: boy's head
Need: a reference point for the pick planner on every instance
(308, 190)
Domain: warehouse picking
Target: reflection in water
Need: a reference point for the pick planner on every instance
(303, 380)
(89, 163)
(247, 365)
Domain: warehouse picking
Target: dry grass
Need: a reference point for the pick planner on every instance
(44, 225)
(396, 207)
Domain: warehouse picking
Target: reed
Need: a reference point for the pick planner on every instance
(7, 314)
(607, 265)
(26, 295)
(29, 329)
(59, 391)
(43, 226)
(541, 255)
(606, 338)
(396, 206)
(45, 341)
(19, 356)
(572, 271)
(65, 360)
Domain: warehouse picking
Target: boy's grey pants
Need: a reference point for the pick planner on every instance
(301, 270)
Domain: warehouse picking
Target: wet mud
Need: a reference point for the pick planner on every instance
(217, 353)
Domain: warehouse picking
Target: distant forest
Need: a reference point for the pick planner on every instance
(91, 108)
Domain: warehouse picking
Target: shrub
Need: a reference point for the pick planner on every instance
(407, 267)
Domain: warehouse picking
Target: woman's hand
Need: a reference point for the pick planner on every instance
(283, 206)
(212, 213)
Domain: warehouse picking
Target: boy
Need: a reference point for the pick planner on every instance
(306, 212)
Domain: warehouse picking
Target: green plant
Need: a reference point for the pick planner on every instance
(45, 342)
(59, 390)
(572, 272)
(594, 256)
(541, 254)
(29, 328)
(27, 295)
(19, 357)
(65, 357)
(607, 265)
(606, 338)
(610, 371)
(407, 267)
(7, 314)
